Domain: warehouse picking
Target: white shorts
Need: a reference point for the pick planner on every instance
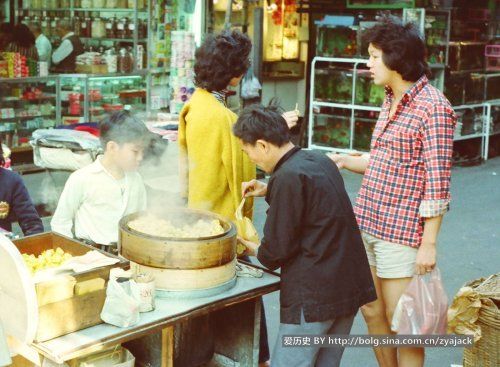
(390, 259)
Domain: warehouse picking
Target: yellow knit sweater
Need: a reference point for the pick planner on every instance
(212, 165)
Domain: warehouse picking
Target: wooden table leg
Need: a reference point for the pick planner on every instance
(167, 351)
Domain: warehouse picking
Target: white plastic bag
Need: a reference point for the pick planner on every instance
(423, 307)
(250, 87)
(121, 307)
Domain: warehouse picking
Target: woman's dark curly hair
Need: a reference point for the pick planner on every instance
(22, 36)
(403, 49)
(220, 58)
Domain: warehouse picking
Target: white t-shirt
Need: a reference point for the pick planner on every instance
(44, 48)
(93, 202)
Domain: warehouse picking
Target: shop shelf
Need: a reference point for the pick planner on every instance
(26, 117)
(110, 10)
(466, 137)
(113, 39)
(355, 4)
(22, 100)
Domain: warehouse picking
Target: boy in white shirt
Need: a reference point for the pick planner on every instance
(97, 196)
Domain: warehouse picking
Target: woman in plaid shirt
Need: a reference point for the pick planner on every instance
(406, 184)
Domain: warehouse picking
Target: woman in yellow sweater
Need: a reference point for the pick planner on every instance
(213, 166)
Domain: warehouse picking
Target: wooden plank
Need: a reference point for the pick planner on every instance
(167, 352)
(19, 361)
(64, 317)
(54, 290)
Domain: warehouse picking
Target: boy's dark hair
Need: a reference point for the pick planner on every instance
(123, 127)
(402, 46)
(266, 123)
(220, 58)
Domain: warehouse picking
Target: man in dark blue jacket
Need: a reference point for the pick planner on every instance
(15, 203)
(310, 233)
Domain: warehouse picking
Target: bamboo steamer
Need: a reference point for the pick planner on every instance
(188, 279)
(179, 253)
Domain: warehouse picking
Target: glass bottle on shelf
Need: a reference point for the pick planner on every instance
(130, 29)
(83, 28)
(64, 4)
(110, 28)
(78, 26)
(125, 61)
(111, 4)
(36, 4)
(111, 60)
(54, 23)
(98, 28)
(120, 29)
(53, 4)
(27, 21)
(77, 3)
(98, 4)
(86, 4)
(45, 25)
(88, 22)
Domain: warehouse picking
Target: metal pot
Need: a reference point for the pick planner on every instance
(178, 253)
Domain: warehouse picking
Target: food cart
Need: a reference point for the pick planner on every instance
(58, 332)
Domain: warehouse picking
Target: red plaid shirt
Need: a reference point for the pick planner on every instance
(408, 175)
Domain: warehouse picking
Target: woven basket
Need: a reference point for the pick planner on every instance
(486, 352)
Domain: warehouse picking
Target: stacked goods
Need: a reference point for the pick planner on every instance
(14, 64)
(91, 63)
(181, 69)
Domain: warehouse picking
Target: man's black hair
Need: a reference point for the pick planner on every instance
(403, 49)
(220, 58)
(123, 127)
(258, 122)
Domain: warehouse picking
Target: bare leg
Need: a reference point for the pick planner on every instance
(376, 320)
(392, 289)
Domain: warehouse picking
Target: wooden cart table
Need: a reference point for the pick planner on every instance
(235, 315)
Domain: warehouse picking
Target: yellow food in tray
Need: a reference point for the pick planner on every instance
(48, 259)
(155, 226)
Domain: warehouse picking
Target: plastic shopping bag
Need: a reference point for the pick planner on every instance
(121, 307)
(250, 87)
(422, 309)
(245, 227)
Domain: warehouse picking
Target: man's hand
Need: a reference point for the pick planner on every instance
(253, 188)
(251, 247)
(426, 258)
(291, 118)
(338, 159)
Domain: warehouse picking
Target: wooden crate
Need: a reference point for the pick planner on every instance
(60, 311)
